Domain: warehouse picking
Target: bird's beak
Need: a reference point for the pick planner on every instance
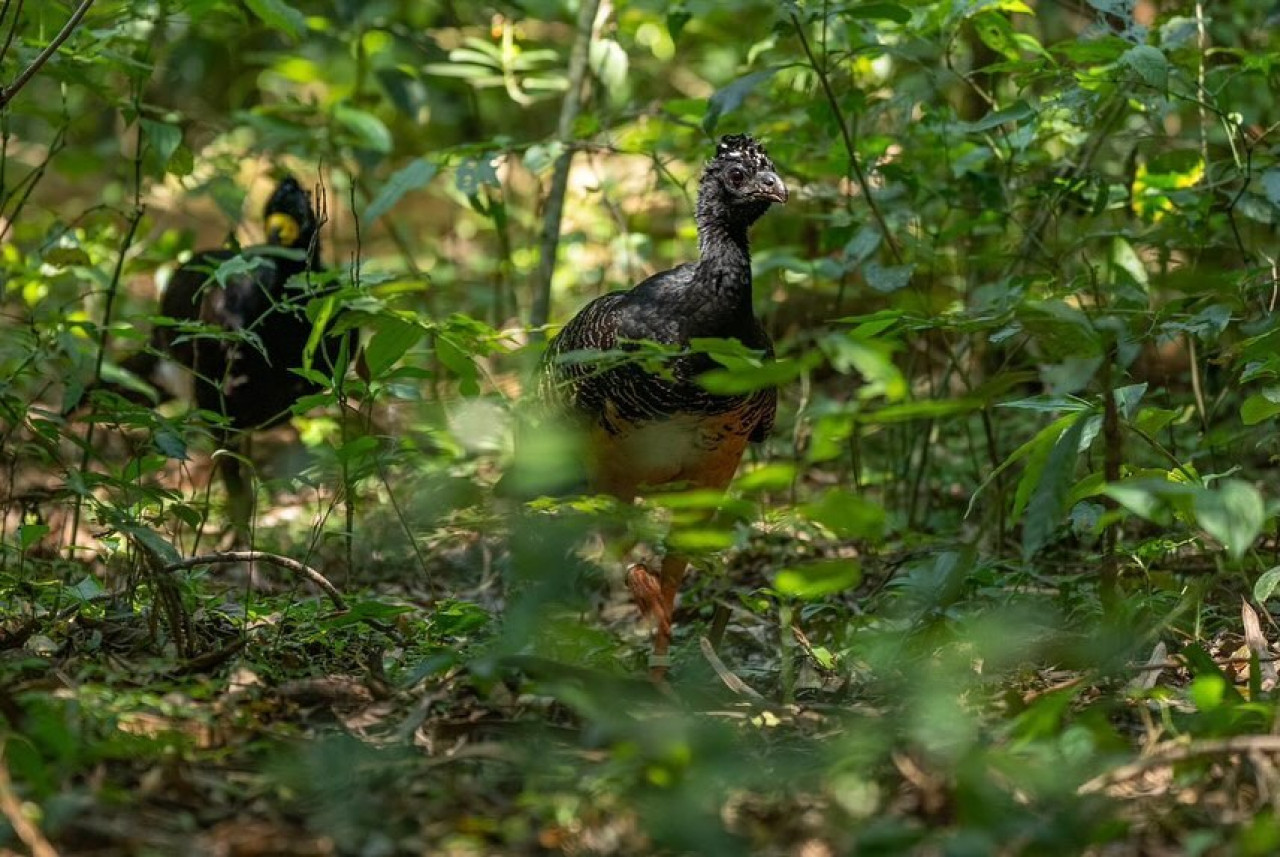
(769, 186)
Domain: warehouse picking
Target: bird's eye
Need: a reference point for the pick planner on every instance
(736, 176)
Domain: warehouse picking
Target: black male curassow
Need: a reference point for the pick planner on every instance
(643, 431)
(253, 331)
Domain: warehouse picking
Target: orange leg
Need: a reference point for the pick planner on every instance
(656, 597)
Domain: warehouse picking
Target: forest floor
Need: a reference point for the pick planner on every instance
(483, 692)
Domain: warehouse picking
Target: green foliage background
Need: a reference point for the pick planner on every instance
(1025, 300)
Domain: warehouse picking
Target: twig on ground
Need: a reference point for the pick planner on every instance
(209, 660)
(1171, 753)
(730, 680)
(23, 826)
(287, 563)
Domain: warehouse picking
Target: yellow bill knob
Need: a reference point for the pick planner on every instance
(282, 230)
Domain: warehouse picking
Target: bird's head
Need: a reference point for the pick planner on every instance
(743, 178)
(290, 219)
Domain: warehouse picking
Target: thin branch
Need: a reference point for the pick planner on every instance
(287, 563)
(859, 175)
(730, 680)
(1171, 754)
(569, 107)
(25, 829)
(7, 94)
(13, 29)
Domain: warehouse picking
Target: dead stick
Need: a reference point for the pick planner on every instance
(24, 827)
(284, 562)
(730, 680)
(1170, 755)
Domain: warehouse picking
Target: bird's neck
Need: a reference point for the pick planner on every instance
(723, 277)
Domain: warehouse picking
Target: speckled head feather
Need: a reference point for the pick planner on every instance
(745, 150)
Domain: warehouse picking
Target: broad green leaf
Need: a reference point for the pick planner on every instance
(1150, 64)
(415, 175)
(279, 15)
(1070, 376)
(366, 130)
(775, 476)
(730, 98)
(1266, 584)
(163, 140)
(847, 515)
(29, 534)
(878, 12)
(1233, 513)
(392, 338)
(1015, 112)
(1271, 185)
(677, 17)
(818, 579)
(887, 280)
(1045, 509)
(1125, 258)
(609, 63)
(457, 361)
(1257, 408)
(923, 410)
(747, 379)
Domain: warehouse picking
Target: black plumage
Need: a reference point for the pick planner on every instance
(244, 334)
(645, 431)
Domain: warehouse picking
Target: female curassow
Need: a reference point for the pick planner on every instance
(643, 431)
(253, 331)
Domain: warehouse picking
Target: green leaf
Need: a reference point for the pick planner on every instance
(1150, 64)
(412, 177)
(1257, 408)
(67, 257)
(747, 379)
(366, 130)
(1151, 498)
(1233, 513)
(1271, 185)
(457, 361)
(1070, 376)
(1015, 112)
(171, 443)
(886, 280)
(1046, 507)
(677, 17)
(29, 534)
(847, 515)
(609, 63)
(731, 97)
(1126, 259)
(163, 140)
(392, 338)
(1266, 584)
(279, 15)
(818, 579)
(879, 12)
(923, 410)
